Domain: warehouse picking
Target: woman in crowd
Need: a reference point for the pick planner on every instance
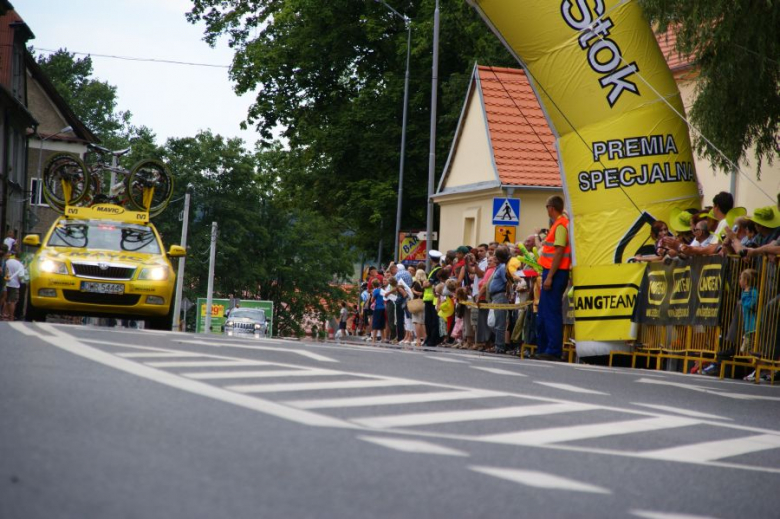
(658, 231)
(418, 319)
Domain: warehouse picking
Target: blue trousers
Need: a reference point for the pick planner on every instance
(549, 320)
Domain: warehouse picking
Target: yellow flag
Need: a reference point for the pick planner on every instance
(615, 109)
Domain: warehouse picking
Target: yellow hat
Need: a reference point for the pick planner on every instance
(767, 216)
(680, 220)
(736, 212)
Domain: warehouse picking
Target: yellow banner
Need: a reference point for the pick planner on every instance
(625, 153)
(106, 212)
(605, 296)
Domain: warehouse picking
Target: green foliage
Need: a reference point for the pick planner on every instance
(93, 101)
(331, 75)
(267, 248)
(736, 47)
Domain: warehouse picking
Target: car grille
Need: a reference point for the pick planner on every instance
(244, 326)
(90, 270)
(75, 296)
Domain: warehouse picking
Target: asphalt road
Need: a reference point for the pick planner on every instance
(100, 423)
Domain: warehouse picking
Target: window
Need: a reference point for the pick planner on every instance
(36, 193)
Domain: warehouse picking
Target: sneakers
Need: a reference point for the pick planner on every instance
(712, 370)
(751, 377)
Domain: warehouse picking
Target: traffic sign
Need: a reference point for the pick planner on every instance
(422, 235)
(506, 234)
(506, 211)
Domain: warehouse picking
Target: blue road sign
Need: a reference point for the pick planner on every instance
(506, 211)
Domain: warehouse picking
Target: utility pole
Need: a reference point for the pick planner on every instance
(180, 273)
(210, 291)
(432, 146)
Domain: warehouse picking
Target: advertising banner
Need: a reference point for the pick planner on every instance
(411, 249)
(219, 309)
(682, 293)
(615, 109)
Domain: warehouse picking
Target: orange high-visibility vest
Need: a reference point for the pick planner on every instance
(548, 247)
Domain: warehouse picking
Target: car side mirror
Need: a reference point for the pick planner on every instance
(177, 251)
(33, 240)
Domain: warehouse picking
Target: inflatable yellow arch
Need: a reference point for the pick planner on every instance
(625, 152)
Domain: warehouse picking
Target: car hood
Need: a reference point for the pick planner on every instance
(97, 255)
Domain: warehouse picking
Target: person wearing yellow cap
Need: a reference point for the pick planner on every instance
(767, 221)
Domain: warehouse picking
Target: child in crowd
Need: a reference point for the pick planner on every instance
(749, 300)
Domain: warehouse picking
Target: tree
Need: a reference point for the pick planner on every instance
(331, 75)
(93, 101)
(267, 248)
(735, 45)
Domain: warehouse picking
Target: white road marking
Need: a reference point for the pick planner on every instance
(319, 386)
(573, 389)
(716, 450)
(303, 353)
(23, 329)
(205, 363)
(649, 514)
(414, 446)
(536, 479)
(710, 390)
(616, 371)
(445, 359)
(157, 354)
(498, 371)
(415, 419)
(403, 398)
(498, 360)
(585, 432)
(220, 375)
(686, 412)
(69, 343)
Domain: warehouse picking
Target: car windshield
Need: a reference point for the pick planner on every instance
(104, 235)
(248, 313)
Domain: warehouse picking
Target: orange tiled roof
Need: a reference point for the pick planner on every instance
(668, 41)
(523, 144)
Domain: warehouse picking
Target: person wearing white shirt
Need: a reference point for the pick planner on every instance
(14, 270)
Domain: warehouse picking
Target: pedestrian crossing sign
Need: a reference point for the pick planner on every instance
(506, 211)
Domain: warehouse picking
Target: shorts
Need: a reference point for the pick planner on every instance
(378, 320)
(342, 325)
(13, 294)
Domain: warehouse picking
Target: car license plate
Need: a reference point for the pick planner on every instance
(102, 288)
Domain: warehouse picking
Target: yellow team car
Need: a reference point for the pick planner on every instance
(102, 260)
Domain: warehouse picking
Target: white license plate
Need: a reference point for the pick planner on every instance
(102, 288)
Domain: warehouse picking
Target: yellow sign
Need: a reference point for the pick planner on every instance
(106, 212)
(216, 310)
(611, 101)
(505, 234)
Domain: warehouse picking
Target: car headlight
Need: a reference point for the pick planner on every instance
(258, 327)
(228, 324)
(53, 267)
(153, 274)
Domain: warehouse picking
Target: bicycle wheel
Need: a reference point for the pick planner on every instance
(66, 168)
(149, 174)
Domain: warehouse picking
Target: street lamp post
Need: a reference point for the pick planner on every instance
(180, 273)
(432, 146)
(408, 24)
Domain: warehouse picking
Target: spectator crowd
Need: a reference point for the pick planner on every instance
(496, 297)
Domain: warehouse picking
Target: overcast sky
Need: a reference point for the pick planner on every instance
(172, 100)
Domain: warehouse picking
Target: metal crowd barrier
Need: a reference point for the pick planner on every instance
(722, 343)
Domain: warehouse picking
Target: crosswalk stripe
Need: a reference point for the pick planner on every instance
(414, 446)
(260, 374)
(408, 420)
(716, 450)
(584, 432)
(686, 412)
(445, 359)
(406, 398)
(316, 386)
(573, 389)
(158, 354)
(649, 514)
(536, 479)
(205, 363)
(498, 371)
